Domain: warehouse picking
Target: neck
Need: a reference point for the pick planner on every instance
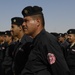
(20, 35)
(37, 32)
(9, 42)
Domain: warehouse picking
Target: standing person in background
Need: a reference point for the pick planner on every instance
(3, 46)
(8, 37)
(63, 42)
(66, 36)
(22, 48)
(7, 62)
(46, 57)
(70, 52)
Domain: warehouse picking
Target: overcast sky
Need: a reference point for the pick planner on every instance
(59, 14)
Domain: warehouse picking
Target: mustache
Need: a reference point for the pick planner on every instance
(11, 31)
(24, 27)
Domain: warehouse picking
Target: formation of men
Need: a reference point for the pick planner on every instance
(28, 49)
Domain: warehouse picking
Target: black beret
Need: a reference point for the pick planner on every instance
(29, 10)
(17, 20)
(61, 35)
(54, 33)
(2, 33)
(65, 33)
(71, 31)
(8, 33)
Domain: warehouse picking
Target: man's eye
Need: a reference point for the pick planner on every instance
(25, 20)
(11, 26)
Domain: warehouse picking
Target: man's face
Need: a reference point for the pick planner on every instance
(71, 38)
(7, 38)
(60, 39)
(15, 30)
(29, 26)
(1, 38)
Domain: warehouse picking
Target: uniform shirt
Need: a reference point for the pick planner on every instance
(70, 58)
(7, 62)
(64, 46)
(46, 57)
(3, 47)
(21, 52)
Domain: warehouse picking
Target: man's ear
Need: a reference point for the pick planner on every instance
(38, 22)
(21, 27)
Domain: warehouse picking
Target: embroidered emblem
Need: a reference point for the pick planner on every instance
(26, 11)
(51, 58)
(14, 20)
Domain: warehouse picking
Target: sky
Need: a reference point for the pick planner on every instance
(59, 14)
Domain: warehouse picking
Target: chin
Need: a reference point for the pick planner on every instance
(26, 33)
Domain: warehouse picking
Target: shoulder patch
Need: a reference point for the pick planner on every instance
(51, 58)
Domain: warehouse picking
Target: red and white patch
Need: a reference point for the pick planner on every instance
(51, 58)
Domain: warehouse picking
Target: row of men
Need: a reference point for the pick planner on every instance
(36, 52)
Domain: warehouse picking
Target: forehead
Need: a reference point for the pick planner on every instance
(71, 34)
(6, 35)
(14, 25)
(27, 17)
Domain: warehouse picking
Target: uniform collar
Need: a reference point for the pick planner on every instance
(38, 36)
(72, 44)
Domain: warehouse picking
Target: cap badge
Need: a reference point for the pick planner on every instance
(70, 31)
(26, 11)
(5, 33)
(14, 20)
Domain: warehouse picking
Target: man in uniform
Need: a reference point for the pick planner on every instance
(70, 54)
(8, 37)
(21, 49)
(63, 42)
(7, 62)
(3, 46)
(46, 57)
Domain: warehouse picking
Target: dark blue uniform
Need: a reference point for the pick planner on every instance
(3, 47)
(46, 57)
(21, 53)
(64, 46)
(7, 62)
(70, 58)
